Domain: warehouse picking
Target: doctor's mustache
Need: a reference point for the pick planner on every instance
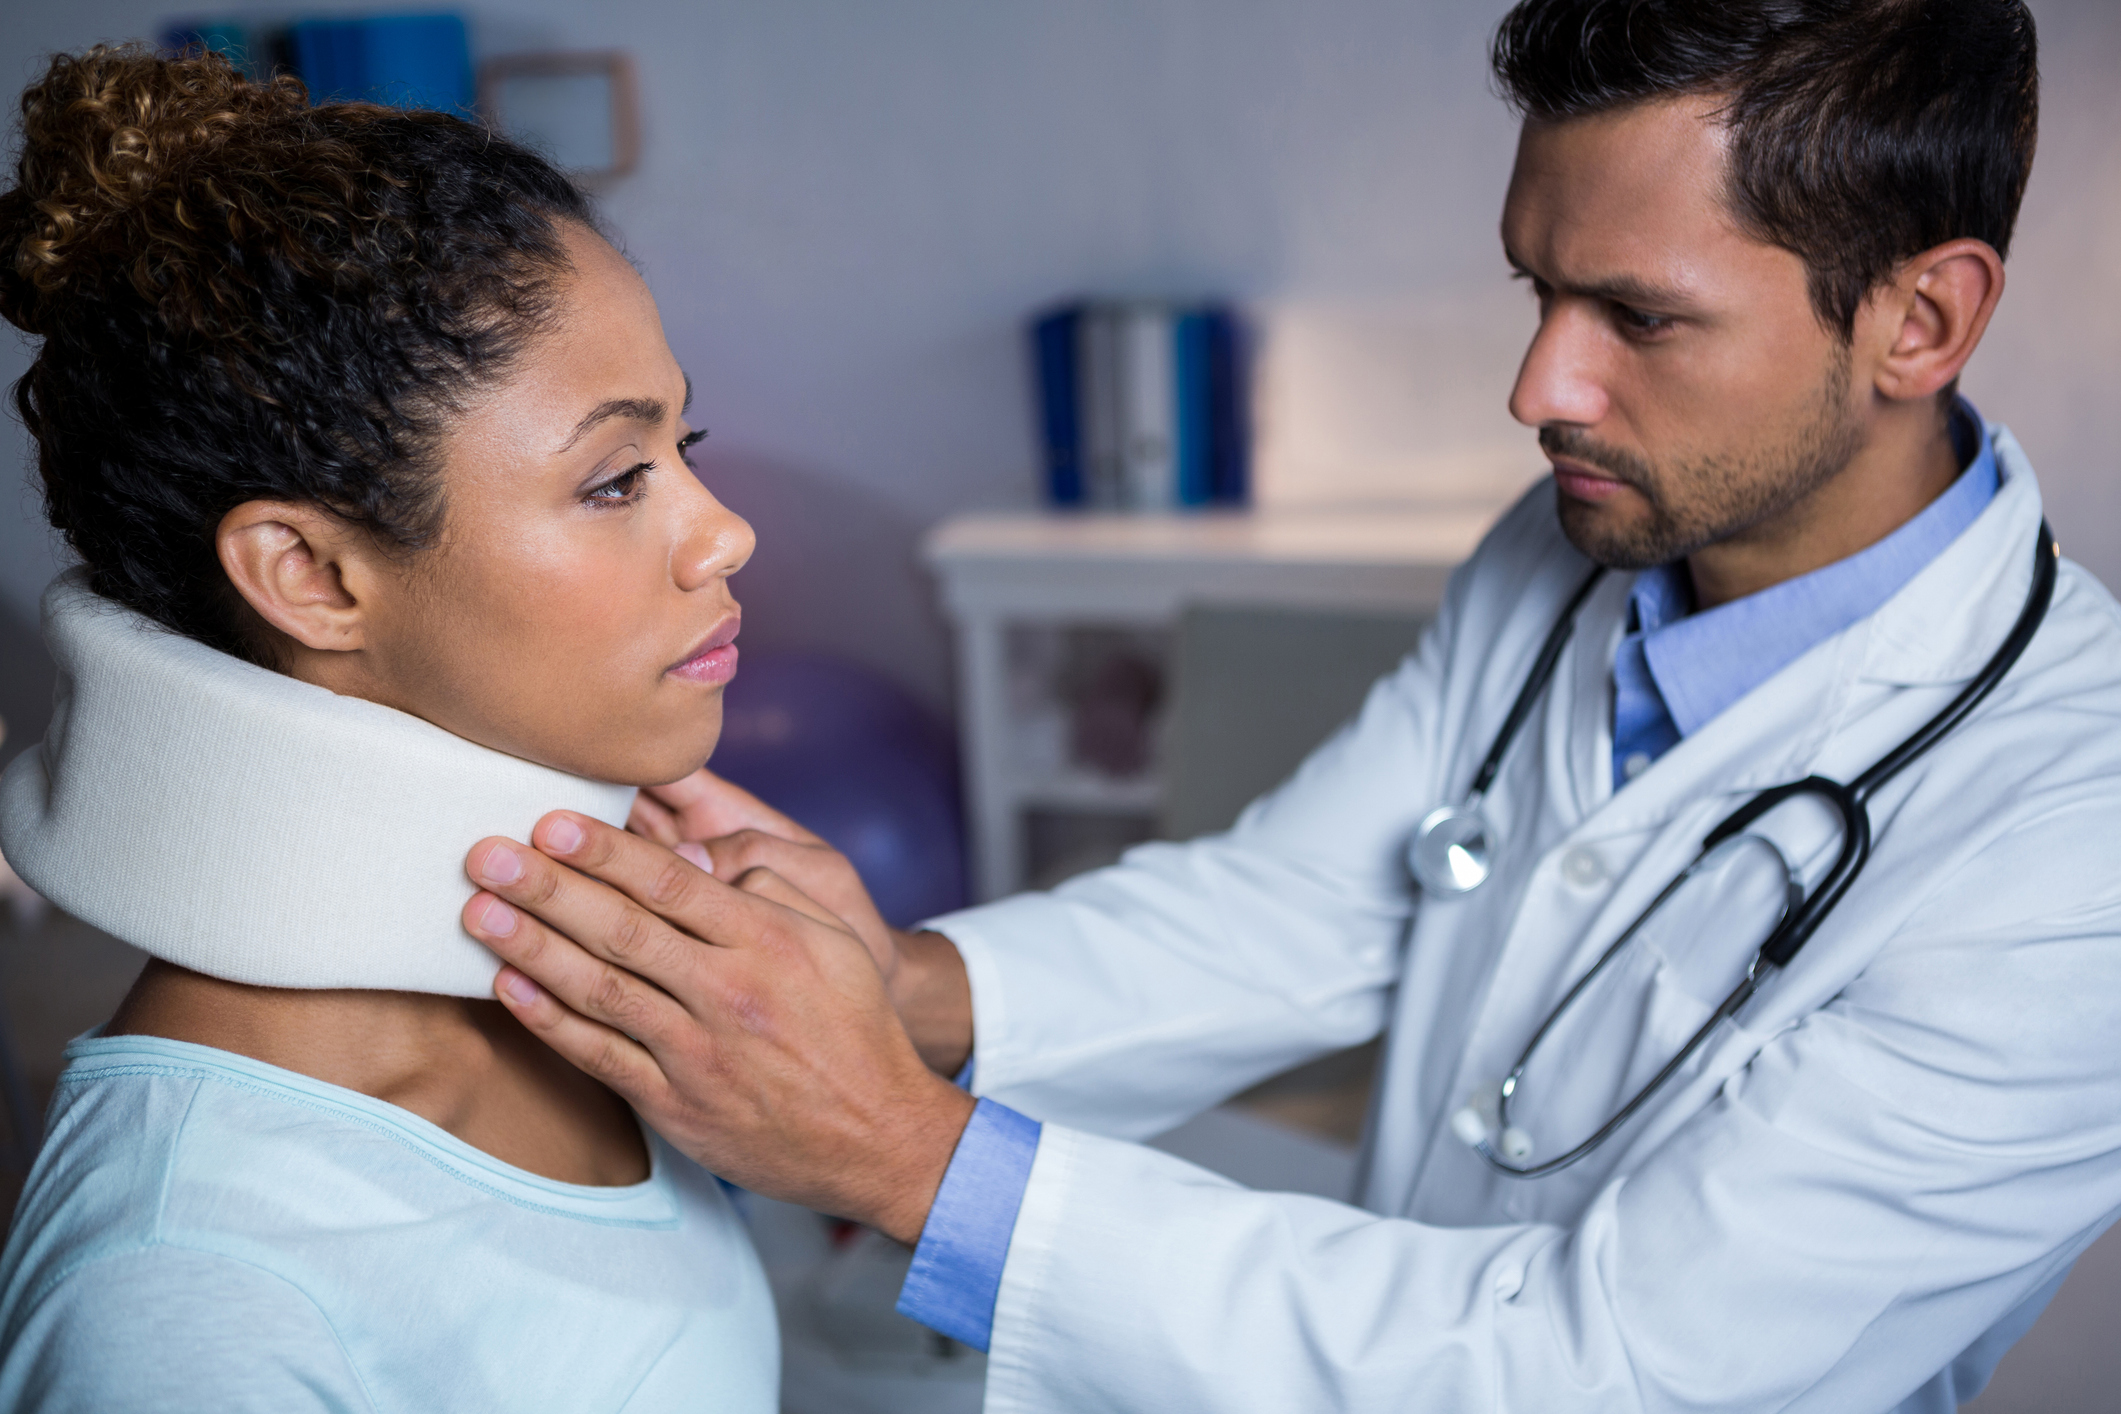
(1576, 445)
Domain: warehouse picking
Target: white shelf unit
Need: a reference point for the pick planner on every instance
(1002, 570)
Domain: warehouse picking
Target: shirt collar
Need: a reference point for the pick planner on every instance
(1704, 662)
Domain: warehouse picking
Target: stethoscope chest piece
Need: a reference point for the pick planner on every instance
(1453, 850)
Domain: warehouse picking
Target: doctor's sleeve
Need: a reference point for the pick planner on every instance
(957, 1265)
(1914, 1162)
(1131, 999)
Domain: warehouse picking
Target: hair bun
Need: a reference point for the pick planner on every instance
(108, 138)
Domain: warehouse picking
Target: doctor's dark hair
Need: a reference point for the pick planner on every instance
(1863, 132)
(242, 297)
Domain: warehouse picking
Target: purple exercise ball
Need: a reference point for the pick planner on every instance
(852, 756)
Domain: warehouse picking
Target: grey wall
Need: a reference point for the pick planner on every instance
(845, 208)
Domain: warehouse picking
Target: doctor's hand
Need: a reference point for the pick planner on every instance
(738, 1017)
(728, 831)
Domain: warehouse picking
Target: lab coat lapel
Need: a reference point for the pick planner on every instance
(1833, 711)
(1940, 628)
(1947, 621)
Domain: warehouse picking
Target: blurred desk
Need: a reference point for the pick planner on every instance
(1005, 572)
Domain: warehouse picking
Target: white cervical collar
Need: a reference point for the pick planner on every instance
(245, 825)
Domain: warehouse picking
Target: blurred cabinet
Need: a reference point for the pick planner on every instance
(1044, 605)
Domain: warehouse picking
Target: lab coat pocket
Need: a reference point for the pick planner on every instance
(1625, 1025)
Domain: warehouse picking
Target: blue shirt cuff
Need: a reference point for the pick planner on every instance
(957, 1269)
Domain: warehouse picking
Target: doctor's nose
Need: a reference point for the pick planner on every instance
(1558, 381)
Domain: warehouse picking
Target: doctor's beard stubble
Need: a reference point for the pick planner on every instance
(1712, 498)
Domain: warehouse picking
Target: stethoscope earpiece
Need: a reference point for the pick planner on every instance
(1477, 1132)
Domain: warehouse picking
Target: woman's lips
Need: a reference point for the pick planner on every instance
(714, 661)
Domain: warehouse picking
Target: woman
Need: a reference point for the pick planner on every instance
(372, 451)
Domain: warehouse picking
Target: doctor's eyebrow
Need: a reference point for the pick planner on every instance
(1615, 289)
(643, 410)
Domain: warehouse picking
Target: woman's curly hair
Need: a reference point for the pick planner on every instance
(243, 297)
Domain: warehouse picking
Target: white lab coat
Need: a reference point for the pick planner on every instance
(1851, 1202)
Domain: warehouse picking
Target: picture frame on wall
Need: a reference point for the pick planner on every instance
(579, 108)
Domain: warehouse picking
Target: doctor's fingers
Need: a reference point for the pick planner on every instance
(652, 821)
(764, 883)
(595, 991)
(592, 916)
(632, 902)
(821, 872)
(706, 806)
(623, 1064)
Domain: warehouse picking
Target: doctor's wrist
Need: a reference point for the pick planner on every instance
(905, 1177)
(933, 998)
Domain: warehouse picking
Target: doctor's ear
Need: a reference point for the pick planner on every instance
(302, 570)
(1926, 322)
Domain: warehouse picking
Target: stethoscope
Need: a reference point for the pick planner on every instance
(1453, 853)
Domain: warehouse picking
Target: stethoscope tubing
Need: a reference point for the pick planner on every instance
(1802, 918)
(1535, 685)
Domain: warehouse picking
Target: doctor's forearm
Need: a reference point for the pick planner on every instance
(934, 999)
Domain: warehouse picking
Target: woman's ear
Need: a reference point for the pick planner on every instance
(301, 569)
(1929, 319)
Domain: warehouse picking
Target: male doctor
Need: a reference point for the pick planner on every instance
(1764, 237)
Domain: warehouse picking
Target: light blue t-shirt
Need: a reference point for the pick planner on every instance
(205, 1232)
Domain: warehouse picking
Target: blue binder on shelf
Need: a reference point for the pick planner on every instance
(1053, 351)
(1194, 395)
(405, 61)
(1229, 419)
(231, 39)
(1098, 404)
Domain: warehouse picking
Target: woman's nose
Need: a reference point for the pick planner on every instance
(714, 542)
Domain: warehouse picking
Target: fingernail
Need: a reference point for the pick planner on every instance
(697, 855)
(498, 920)
(564, 836)
(501, 866)
(521, 990)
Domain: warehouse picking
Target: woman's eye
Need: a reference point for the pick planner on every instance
(687, 442)
(621, 488)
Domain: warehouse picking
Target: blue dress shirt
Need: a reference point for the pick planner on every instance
(1675, 670)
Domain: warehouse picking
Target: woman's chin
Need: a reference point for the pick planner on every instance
(652, 749)
(672, 756)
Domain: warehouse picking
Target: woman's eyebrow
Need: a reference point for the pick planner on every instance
(643, 410)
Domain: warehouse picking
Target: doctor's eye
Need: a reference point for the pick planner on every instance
(1639, 324)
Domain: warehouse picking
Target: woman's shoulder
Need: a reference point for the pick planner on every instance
(170, 1141)
(118, 1330)
(94, 1304)
(172, 1169)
